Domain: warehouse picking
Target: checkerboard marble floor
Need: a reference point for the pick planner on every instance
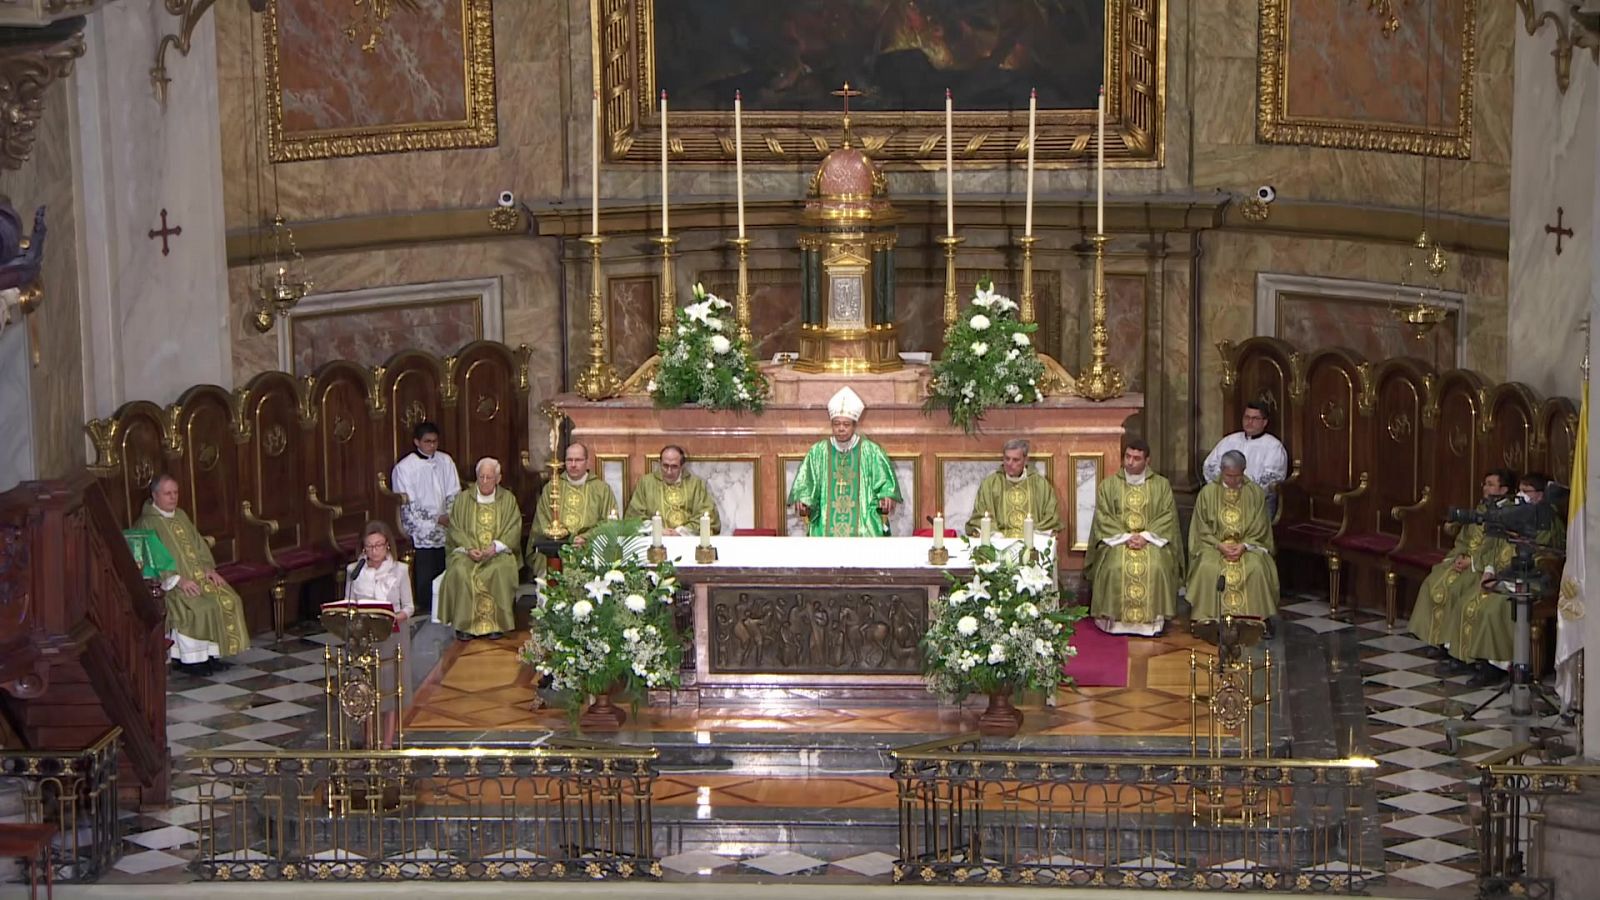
(271, 697)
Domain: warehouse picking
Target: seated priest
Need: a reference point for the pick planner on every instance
(1457, 578)
(679, 497)
(586, 501)
(1485, 632)
(205, 618)
(1135, 561)
(1015, 492)
(1231, 569)
(845, 486)
(482, 563)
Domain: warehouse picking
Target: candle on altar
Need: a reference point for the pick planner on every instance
(985, 530)
(1033, 115)
(663, 163)
(655, 530)
(1100, 165)
(949, 171)
(738, 154)
(938, 531)
(594, 167)
(705, 529)
(1027, 533)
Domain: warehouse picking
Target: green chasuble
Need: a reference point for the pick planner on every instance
(843, 489)
(583, 506)
(1487, 624)
(217, 615)
(1009, 502)
(1237, 515)
(1436, 616)
(1134, 587)
(679, 504)
(476, 597)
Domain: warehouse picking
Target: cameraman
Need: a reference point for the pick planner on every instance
(1485, 633)
(1453, 583)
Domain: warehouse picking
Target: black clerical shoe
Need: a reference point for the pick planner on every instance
(495, 635)
(1487, 676)
(1433, 652)
(1451, 667)
(462, 635)
(219, 664)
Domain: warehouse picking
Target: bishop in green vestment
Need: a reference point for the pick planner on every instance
(1135, 560)
(481, 560)
(680, 498)
(205, 617)
(586, 501)
(1457, 579)
(845, 486)
(1015, 492)
(1231, 536)
(1486, 630)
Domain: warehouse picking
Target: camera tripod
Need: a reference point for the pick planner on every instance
(1522, 686)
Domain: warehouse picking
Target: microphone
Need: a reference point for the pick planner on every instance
(361, 563)
(1222, 583)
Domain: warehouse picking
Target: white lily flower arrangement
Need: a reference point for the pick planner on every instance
(705, 364)
(988, 360)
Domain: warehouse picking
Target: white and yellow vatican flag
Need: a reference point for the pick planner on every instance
(1570, 605)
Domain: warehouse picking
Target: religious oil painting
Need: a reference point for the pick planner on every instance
(347, 79)
(791, 60)
(1394, 77)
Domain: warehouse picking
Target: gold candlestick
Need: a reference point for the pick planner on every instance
(1025, 310)
(952, 306)
(741, 299)
(669, 289)
(600, 380)
(1102, 381)
(557, 416)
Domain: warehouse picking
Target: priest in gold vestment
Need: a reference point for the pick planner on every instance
(205, 618)
(1457, 579)
(481, 560)
(1135, 560)
(846, 485)
(1015, 492)
(679, 497)
(586, 501)
(1230, 537)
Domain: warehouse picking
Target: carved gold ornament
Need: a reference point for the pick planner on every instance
(1459, 442)
(207, 457)
(1513, 457)
(343, 430)
(1399, 427)
(1571, 35)
(143, 472)
(1254, 209)
(488, 407)
(26, 73)
(274, 441)
(414, 413)
(1333, 416)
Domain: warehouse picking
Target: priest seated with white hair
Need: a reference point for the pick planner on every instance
(481, 558)
(205, 617)
(846, 485)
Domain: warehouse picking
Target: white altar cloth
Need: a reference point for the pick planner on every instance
(748, 552)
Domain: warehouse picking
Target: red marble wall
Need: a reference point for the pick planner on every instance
(1365, 326)
(1342, 66)
(416, 73)
(633, 320)
(1125, 322)
(370, 336)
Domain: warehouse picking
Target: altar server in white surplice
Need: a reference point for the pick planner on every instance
(430, 481)
(1265, 461)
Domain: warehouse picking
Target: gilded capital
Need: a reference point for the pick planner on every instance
(27, 69)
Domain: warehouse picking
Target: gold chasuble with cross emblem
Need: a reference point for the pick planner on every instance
(476, 597)
(1436, 617)
(843, 487)
(1232, 516)
(216, 615)
(1134, 588)
(1008, 502)
(583, 506)
(679, 504)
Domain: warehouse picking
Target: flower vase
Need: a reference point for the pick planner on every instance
(603, 714)
(1000, 718)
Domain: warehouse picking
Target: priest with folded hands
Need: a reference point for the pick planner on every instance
(1135, 560)
(1014, 493)
(677, 496)
(1230, 539)
(845, 486)
(205, 618)
(482, 563)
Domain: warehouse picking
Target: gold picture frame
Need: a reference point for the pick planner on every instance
(624, 47)
(479, 128)
(1276, 124)
(1075, 526)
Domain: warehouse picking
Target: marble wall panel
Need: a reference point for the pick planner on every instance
(632, 311)
(16, 408)
(614, 472)
(370, 336)
(1127, 325)
(959, 480)
(792, 525)
(1368, 327)
(774, 305)
(1085, 486)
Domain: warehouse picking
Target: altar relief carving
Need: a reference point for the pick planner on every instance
(817, 631)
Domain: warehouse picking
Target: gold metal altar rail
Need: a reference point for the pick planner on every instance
(76, 791)
(565, 810)
(971, 815)
(1511, 835)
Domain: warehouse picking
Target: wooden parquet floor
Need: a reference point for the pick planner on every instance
(481, 686)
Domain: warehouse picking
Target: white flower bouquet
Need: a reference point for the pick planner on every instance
(988, 360)
(704, 363)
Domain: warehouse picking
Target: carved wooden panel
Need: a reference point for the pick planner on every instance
(1399, 407)
(1458, 436)
(410, 390)
(345, 438)
(823, 631)
(1513, 425)
(1558, 432)
(1264, 372)
(489, 419)
(1333, 428)
(138, 447)
(209, 467)
(271, 474)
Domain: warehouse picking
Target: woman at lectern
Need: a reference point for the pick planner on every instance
(378, 578)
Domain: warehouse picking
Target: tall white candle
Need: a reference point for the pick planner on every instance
(938, 531)
(1033, 116)
(1100, 165)
(985, 530)
(949, 172)
(738, 153)
(594, 167)
(705, 529)
(656, 529)
(1027, 533)
(663, 163)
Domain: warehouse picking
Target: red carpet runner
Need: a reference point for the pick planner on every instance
(1102, 659)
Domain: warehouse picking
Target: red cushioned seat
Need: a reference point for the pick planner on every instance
(928, 533)
(1421, 559)
(1313, 529)
(1367, 542)
(348, 546)
(245, 572)
(304, 558)
(755, 532)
